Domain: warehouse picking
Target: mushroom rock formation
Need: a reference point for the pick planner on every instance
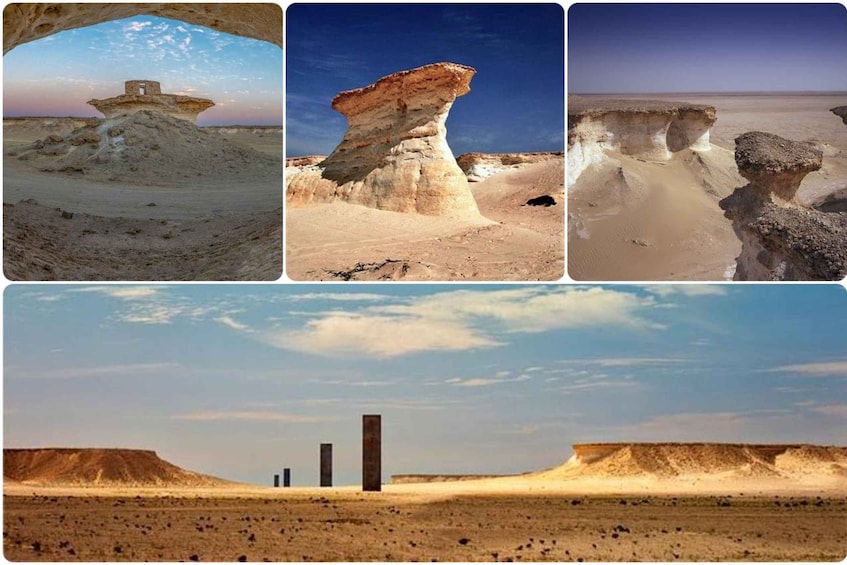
(394, 155)
(781, 239)
(841, 112)
(147, 95)
(650, 129)
(27, 22)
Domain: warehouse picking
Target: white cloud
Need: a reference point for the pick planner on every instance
(338, 296)
(665, 290)
(832, 410)
(136, 26)
(235, 325)
(626, 361)
(123, 292)
(107, 370)
(254, 416)
(500, 378)
(342, 334)
(825, 369)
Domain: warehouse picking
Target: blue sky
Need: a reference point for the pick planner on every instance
(516, 97)
(241, 381)
(56, 75)
(635, 48)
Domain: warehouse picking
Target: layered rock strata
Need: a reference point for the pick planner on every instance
(841, 112)
(649, 129)
(780, 238)
(480, 166)
(394, 155)
(27, 22)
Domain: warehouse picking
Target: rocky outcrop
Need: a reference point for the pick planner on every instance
(480, 166)
(841, 112)
(781, 239)
(649, 129)
(145, 147)
(394, 155)
(27, 22)
(182, 107)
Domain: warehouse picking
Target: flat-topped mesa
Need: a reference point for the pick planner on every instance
(780, 238)
(649, 129)
(841, 112)
(147, 95)
(394, 155)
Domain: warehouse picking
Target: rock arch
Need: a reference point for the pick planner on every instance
(23, 23)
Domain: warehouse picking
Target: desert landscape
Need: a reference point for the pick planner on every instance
(434, 173)
(637, 215)
(402, 207)
(141, 193)
(609, 502)
(660, 185)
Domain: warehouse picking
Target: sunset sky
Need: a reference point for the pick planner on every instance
(241, 381)
(56, 75)
(713, 47)
(516, 102)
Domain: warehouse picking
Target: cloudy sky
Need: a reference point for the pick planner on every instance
(241, 381)
(57, 75)
(730, 47)
(516, 102)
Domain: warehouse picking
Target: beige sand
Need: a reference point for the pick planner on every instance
(171, 229)
(517, 242)
(663, 222)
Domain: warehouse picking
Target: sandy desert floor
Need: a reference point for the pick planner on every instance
(512, 242)
(173, 230)
(661, 220)
(404, 525)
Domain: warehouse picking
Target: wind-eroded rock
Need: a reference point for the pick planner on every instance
(841, 112)
(394, 155)
(650, 129)
(782, 240)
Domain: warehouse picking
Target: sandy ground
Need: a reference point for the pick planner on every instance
(401, 524)
(175, 230)
(664, 222)
(513, 242)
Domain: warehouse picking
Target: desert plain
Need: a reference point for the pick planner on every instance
(639, 218)
(665, 502)
(183, 203)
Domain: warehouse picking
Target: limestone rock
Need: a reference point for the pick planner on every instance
(27, 22)
(650, 129)
(774, 165)
(480, 166)
(841, 112)
(394, 155)
(147, 95)
(780, 239)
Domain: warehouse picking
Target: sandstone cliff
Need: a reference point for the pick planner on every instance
(644, 128)
(394, 155)
(480, 166)
(781, 239)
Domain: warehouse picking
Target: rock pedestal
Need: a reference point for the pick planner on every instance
(780, 238)
(394, 155)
